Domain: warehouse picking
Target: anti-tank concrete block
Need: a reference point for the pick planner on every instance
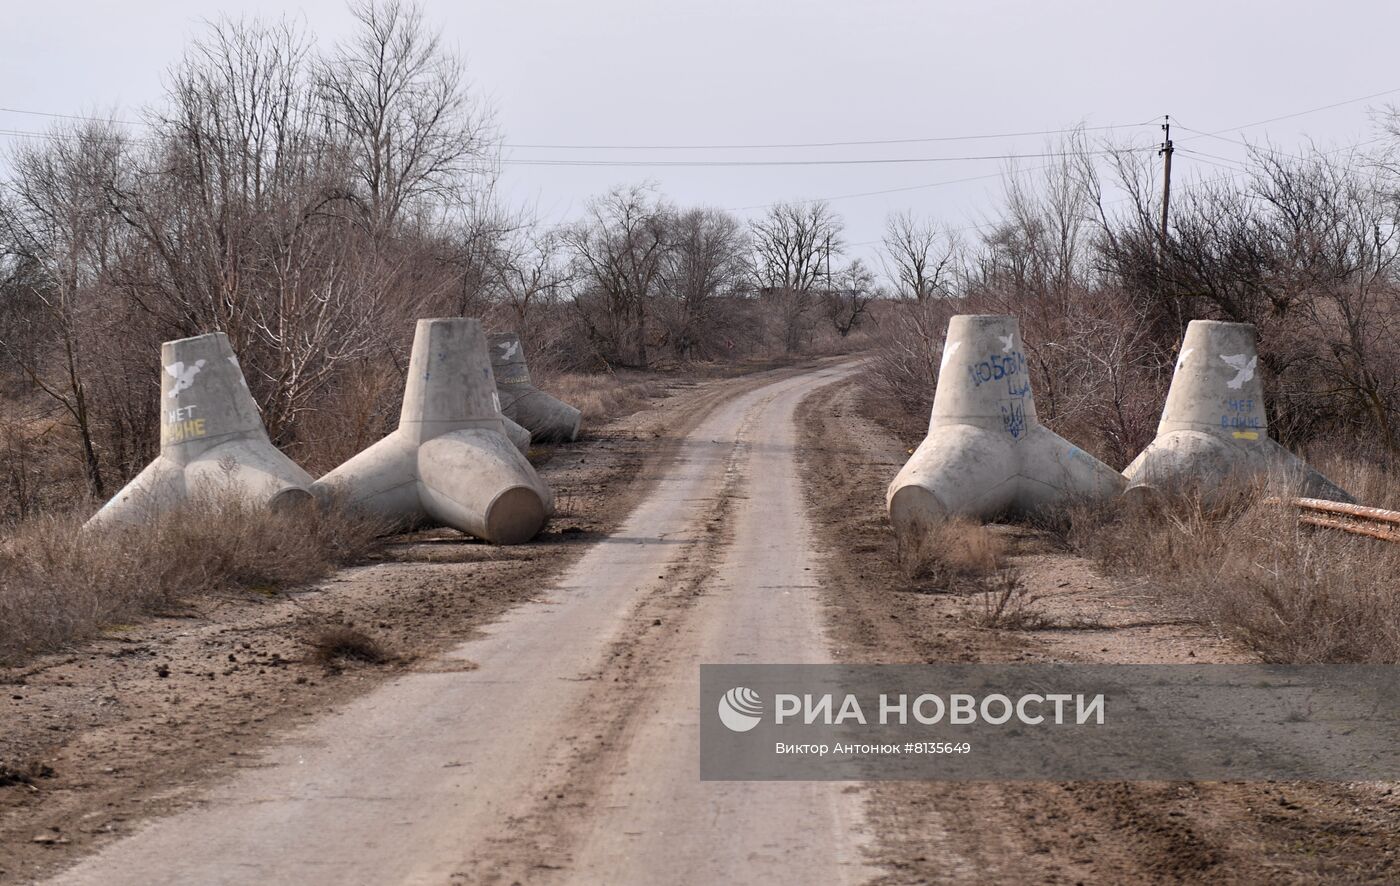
(546, 417)
(986, 454)
(1214, 428)
(450, 461)
(212, 439)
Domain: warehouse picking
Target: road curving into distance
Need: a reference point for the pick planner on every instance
(563, 745)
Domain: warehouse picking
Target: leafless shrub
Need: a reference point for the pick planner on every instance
(1006, 603)
(335, 644)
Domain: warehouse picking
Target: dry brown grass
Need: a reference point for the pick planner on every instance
(604, 396)
(963, 556)
(60, 584)
(949, 550)
(1292, 593)
(1372, 477)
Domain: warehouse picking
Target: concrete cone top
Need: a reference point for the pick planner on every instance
(212, 439)
(204, 397)
(544, 416)
(1216, 385)
(983, 378)
(1213, 426)
(986, 453)
(450, 384)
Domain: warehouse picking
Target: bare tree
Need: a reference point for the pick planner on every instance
(918, 257)
(619, 251)
(704, 265)
(396, 94)
(849, 298)
(55, 216)
(1038, 247)
(528, 274)
(240, 224)
(1335, 250)
(793, 244)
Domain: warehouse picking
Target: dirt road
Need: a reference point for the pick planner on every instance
(559, 743)
(562, 745)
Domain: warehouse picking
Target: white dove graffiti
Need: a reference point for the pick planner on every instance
(948, 351)
(509, 349)
(183, 375)
(1006, 341)
(1244, 371)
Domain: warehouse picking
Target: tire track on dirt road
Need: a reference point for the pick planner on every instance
(435, 773)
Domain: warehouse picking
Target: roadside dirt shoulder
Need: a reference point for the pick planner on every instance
(128, 726)
(1193, 832)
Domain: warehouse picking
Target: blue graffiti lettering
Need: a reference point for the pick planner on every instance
(1241, 421)
(996, 367)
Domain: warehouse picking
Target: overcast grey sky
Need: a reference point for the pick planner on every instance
(706, 72)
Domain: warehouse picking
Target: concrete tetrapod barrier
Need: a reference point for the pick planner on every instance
(548, 419)
(519, 437)
(1213, 427)
(986, 454)
(449, 462)
(212, 439)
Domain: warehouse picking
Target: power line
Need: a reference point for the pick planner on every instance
(1275, 151)
(828, 144)
(1237, 141)
(63, 136)
(72, 116)
(900, 190)
(874, 161)
(644, 164)
(696, 147)
(1208, 158)
(789, 145)
(1350, 101)
(1189, 186)
(998, 175)
(771, 146)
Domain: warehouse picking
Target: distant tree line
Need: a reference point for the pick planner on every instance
(312, 202)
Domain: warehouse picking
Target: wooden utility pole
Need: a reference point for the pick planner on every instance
(828, 262)
(1166, 152)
